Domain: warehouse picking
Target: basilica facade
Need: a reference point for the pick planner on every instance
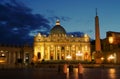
(58, 45)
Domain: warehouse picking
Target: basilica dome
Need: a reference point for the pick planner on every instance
(57, 29)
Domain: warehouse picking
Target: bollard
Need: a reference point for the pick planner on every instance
(65, 68)
(80, 69)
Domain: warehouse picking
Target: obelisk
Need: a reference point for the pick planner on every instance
(97, 34)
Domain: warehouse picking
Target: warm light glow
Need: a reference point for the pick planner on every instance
(2, 54)
(110, 57)
(112, 73)
(58, 47)
(2, 61)
(102, 58)
(68, 57)
(79, 53)
(111, 40)
(1, 51)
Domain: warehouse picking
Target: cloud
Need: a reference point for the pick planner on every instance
(17, 22)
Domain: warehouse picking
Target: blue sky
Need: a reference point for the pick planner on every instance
(79, 14)
(20, 20)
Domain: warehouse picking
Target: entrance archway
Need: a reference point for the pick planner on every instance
(39, 55)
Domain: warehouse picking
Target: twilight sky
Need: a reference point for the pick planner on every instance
(20, 20)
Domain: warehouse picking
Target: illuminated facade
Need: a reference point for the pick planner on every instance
(60, 46)
(111, 47)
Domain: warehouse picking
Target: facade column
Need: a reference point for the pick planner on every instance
(56, 52)
(53, 53)
(76, 51)
(60, 53)
(48, 53)
(70, 50)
